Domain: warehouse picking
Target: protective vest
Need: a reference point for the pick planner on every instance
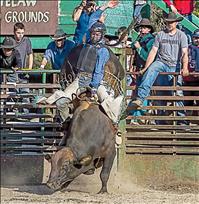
(139, 62)
(87, 58)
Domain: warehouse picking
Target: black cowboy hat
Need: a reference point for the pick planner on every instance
(59, 34)
(145, 22)
(172, 17)
(8, 43)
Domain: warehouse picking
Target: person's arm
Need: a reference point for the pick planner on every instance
(47, 56)
(95, 16)
(150, 59)
(29, 53)
(185, 59)
(43, 63)
(30, 61)
(141, 51)
(102, 58)
(78, 11)
(17, 60)
(111, 4)
(170, 4)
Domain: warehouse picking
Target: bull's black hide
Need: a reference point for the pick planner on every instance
(90, 143)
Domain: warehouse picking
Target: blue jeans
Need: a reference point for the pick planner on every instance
(150, 77)
(145, 102)
(137, 12)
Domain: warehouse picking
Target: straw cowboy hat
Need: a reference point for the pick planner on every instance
(8, 43)
(145, 22)
(172, 17)
(59, 34)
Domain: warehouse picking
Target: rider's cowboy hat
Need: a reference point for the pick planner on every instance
(172, 17)
(59, 34)
(8, 43)
(145, 22)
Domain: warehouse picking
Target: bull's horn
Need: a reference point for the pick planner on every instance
(85, 161)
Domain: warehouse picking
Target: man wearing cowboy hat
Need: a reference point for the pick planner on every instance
(57, 50)
(142, 46)
(9, 58)
(170, 52)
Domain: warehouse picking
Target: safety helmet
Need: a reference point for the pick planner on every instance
(196, 33)
(98, 27)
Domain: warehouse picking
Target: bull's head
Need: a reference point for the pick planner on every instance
(65, 167)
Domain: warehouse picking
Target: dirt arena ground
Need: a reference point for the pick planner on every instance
(84, 191)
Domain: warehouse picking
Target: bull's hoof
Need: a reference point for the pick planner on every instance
(102, 192)
(90, 172)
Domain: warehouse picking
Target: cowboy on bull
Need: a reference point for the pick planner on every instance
(91, 67)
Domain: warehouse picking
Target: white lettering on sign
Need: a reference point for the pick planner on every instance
(27, 16)
(15, 3)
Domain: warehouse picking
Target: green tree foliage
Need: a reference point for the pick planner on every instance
(196, 10)
(37, 61)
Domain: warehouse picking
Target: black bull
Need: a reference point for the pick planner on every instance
(90, 144)
(91, 136)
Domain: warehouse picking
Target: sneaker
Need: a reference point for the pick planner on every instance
(136, 103)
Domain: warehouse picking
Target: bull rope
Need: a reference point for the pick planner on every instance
(117, 86)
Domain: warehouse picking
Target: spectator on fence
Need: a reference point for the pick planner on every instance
(141, 47)
(57, 50)
(86, 14)
(10, 59)
(169, 50)
(193, 80)
(25, 50)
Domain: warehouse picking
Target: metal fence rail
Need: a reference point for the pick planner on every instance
(33, 132)
(171, 137)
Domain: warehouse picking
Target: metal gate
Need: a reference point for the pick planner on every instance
(27, 135)
(169, 133)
